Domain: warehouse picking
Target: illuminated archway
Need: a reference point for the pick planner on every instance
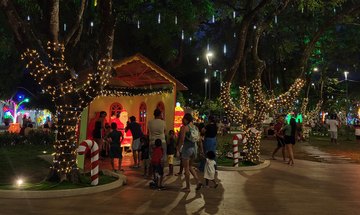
(161, 107)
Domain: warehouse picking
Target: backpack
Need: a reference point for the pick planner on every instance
(194, 134)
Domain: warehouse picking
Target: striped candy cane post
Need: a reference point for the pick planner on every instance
(94, 148)
(239, 138)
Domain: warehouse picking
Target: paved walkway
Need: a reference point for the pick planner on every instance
(322, 156)
(306, 188)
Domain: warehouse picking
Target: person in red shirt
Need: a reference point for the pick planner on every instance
(156, 163)
(279, 137)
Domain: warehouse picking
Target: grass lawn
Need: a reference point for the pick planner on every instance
(21, 161)
(45, 185)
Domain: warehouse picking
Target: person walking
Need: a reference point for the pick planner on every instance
(210, 132)
(290, 138)
(137, 133)
(333, 126)
(186, 141)
(279, 137)
(209, 171)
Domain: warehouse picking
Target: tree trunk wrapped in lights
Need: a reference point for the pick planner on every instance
(69, 97)
(309, 117)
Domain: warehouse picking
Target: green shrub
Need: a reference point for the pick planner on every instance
(35, 137)
(40, 137)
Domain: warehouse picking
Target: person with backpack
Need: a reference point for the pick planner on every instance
(188, 138)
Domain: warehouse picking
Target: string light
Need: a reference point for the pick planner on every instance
(71, 96)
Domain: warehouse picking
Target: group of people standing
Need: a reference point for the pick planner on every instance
(286, 137)
(157, 149)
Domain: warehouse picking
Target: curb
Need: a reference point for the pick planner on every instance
(28, 194)
(263, 165)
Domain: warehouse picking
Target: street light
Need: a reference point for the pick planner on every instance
(209, 56)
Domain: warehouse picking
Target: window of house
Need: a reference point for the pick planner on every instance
(142, 116)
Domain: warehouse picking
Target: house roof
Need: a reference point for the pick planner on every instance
(139, 71)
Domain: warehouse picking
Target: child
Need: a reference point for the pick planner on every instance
(171, 151)
(145, 155)
(158, 170)
(209, 171)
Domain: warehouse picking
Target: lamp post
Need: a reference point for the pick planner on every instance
(209, 56)
(346, 73)
(206, 80)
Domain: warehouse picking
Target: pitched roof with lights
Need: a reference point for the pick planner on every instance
(139, 71)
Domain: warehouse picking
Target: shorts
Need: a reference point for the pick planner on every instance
(146, 163)
(170, 159)
(115, 152)
(187, 153)
(280, 142)
(158, 168)
(333, 134)
(136, 145)
(289, 140)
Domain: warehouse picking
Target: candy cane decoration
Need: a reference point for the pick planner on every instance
(91, 145)
(236, 139)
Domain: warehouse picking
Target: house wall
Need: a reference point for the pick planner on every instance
(132, 105)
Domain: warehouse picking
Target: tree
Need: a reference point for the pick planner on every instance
(87, 39)
(252, 112)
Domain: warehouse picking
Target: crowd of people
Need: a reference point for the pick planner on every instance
(159, 148)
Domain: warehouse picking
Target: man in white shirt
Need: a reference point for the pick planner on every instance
(333, 125)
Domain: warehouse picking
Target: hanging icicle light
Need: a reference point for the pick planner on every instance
(334, 10)
(234, 14)
(190, 39)
(65, 26)
(254, 26)
(176, 21)
(224, 49)
(234, 35)
(205, 71)
(276, 19)
(91, 24)
(213, 19)
(28, 18)
(182, 35)
(138, 24)
(208, 47)
(197, 59)
(277, 80)
(159, 18)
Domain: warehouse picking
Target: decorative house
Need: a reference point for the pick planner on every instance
(146, 87)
